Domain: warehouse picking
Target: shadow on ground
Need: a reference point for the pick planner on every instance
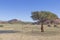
(9, 31)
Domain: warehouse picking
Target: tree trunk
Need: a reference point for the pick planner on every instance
(42, 30)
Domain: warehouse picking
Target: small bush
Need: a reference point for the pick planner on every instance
(49, 25)
(1, 25)
(55, 25)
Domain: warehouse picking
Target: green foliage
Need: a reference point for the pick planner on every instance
(1, 25)
(43, 15)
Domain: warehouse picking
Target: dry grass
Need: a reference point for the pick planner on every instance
(30, 32)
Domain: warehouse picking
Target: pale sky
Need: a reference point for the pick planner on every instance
(22, 9)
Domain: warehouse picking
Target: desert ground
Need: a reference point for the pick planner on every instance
(28, 32)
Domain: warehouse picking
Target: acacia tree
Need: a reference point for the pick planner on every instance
(42, 16)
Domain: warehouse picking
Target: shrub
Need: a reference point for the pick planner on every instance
(55, 25)
(1, 25)
(49, 25)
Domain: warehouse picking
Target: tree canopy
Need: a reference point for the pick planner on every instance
(43, 15)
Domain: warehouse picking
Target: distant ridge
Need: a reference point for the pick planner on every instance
(14, 21)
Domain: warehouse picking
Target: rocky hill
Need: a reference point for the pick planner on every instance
(14, 21)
